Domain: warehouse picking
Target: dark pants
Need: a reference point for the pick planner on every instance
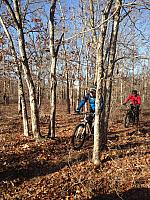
(135, 109)
(90, 118)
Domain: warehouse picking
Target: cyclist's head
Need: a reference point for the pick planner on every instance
(134, 92)
(93, 90)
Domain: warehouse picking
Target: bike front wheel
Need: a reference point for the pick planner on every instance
(78, 136)
(127, 121)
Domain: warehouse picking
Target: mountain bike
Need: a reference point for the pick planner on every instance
(83, 130)
(132, 116)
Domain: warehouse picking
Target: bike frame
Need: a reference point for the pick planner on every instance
(132, 114)
(87, 126)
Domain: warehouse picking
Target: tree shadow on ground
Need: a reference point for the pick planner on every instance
(59, 148)
(34, 167)
(132, 194)
(130, 145)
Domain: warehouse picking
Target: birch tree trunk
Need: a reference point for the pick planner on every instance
(79, 73)
(111, 65)
(65, 58)
(25, 66)
(94, 34)
(99, 80)
(79, 83)
(19, 101)
(16, 15)
(21, 96)
(51, 132)
(53, 81)
(68, 93)
(23, 104)
(39, 90)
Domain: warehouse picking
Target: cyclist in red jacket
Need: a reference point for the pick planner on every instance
(134, 98)
(135, 101)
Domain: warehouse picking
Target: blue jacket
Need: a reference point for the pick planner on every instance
(91, 102)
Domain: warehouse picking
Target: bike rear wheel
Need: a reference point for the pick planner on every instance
(78, 136)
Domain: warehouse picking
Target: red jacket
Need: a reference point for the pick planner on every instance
(134, 100)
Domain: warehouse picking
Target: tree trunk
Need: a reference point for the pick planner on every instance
(51, 132)
(19, 99)
(22, 103)
(53, 83)
(99, 80)
(39, 90)
(111, 65)
(68, 96)
(30, 84)
(16, 15)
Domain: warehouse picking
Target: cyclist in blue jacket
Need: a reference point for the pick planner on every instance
(90, 96)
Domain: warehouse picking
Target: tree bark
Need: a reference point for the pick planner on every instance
(16, 15)
(68, 93)
(23, 105)
(21, 96)
(111, 65)
(30, 84)
(99, 80)
(53, 81)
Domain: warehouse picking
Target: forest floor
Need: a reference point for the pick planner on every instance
(51, 170)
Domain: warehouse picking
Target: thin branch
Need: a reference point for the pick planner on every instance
(97, 27)
(25, 11)
(136, 4)
(135, 25)
(126, 14)
(9, 8)
(9, 37)
(59, 43)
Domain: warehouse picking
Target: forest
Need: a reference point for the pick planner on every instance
(74, 99)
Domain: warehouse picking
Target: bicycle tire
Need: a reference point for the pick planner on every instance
(77, 139)
(127, 121)
(136, 120)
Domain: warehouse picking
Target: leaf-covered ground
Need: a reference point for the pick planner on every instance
(50, 169)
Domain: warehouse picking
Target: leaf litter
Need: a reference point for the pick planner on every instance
(52, 170)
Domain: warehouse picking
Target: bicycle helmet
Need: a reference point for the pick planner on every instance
(93, 89)
(134, 92)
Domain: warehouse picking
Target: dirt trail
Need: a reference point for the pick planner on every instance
(52, 170)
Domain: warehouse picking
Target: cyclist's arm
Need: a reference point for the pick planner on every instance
(127, 99)
(139, 100)
(82, 102)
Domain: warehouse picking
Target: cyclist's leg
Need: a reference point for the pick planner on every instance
(92, 125)
(137, 113)
(90, 118)
(130, 113)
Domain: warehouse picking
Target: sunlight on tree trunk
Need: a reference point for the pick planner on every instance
(53, 81)
(111, 65)
(100, 71)
(21, 97)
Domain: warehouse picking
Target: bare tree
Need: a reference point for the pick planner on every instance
(110, 69)
(100, 75)
(20, 83)
(53, 81)
(17, 18)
